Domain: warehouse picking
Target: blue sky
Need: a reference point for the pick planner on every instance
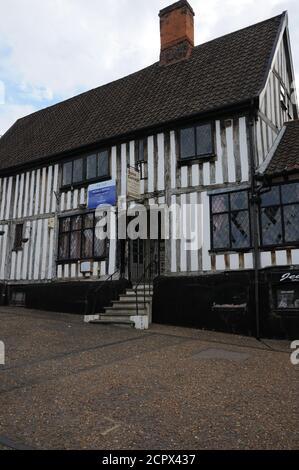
(51, 50)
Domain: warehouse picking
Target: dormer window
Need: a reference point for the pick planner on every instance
(196, 142)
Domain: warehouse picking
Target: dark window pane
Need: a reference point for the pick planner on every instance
(88, 221)
(75, 245)
(67, 173)
(65, 224)
(240, 229)
(18, 236)
(204, 140)
(99, 248)
(87, 244)
(141, 153)
(271, 198)
(271, 226)
(103, 164)
(291, 223)
(220, 203)
(187, 143)
(78, 171)
(64, 246)
(221, 231)
(290, 193)
(91, 171)
(77, 222)
(239, 200)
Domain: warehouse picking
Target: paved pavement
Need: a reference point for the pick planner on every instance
(67, 385)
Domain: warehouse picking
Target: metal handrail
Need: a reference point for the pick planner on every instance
(96, 291)
(143, 278)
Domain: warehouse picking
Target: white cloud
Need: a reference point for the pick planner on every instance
(9, 113)
(57, 48)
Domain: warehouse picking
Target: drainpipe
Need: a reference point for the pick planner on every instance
(254, 199)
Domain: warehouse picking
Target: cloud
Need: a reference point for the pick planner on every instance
(54, 49)
(9, 113)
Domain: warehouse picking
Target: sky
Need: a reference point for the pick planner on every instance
(51, 50)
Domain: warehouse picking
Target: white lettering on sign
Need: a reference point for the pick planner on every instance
(290, 277)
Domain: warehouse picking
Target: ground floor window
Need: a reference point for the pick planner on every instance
(230, 221)
(279, 215)
(77, 239)
(287, 297)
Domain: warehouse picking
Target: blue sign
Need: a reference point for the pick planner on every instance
(102, 194)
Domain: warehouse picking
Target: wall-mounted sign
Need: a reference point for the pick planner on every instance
(289, 277)
(133, 183)
(102, 194)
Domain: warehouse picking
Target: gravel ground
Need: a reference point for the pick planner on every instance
(67, 385)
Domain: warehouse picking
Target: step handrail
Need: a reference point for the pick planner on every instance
(96, 292)
(143, 279)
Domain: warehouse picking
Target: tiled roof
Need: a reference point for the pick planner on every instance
(286, 157)
(226, 71)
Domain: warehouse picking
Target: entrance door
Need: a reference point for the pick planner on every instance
(144, 259)
(137, 258)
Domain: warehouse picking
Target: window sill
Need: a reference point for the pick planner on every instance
(194, 160)
(81, 260)
(84, 184)
(229, 251)
(280, 247)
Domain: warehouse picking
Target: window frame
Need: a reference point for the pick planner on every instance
(196, 157)
(281, 206)
(70, 259)
(86, 181)
(230, 248)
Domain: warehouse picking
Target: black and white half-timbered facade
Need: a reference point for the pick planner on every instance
(212, 126)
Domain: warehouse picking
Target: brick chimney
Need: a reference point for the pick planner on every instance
(177, 32)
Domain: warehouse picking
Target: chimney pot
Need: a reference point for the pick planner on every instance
(177, 32)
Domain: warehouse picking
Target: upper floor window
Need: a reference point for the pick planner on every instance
(196, 141)
(141, 150)
(81, 170)
(230, 221)
(279, 215)
(141, 157)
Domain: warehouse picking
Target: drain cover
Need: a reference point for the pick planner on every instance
(224, 354)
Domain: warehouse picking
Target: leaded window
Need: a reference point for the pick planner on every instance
(230, 221)
(279, 215)
(196, 141)
(77, 239)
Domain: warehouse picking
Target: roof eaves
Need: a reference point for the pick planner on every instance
(283, 25)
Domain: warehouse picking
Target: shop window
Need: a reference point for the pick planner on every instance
(287, 297)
